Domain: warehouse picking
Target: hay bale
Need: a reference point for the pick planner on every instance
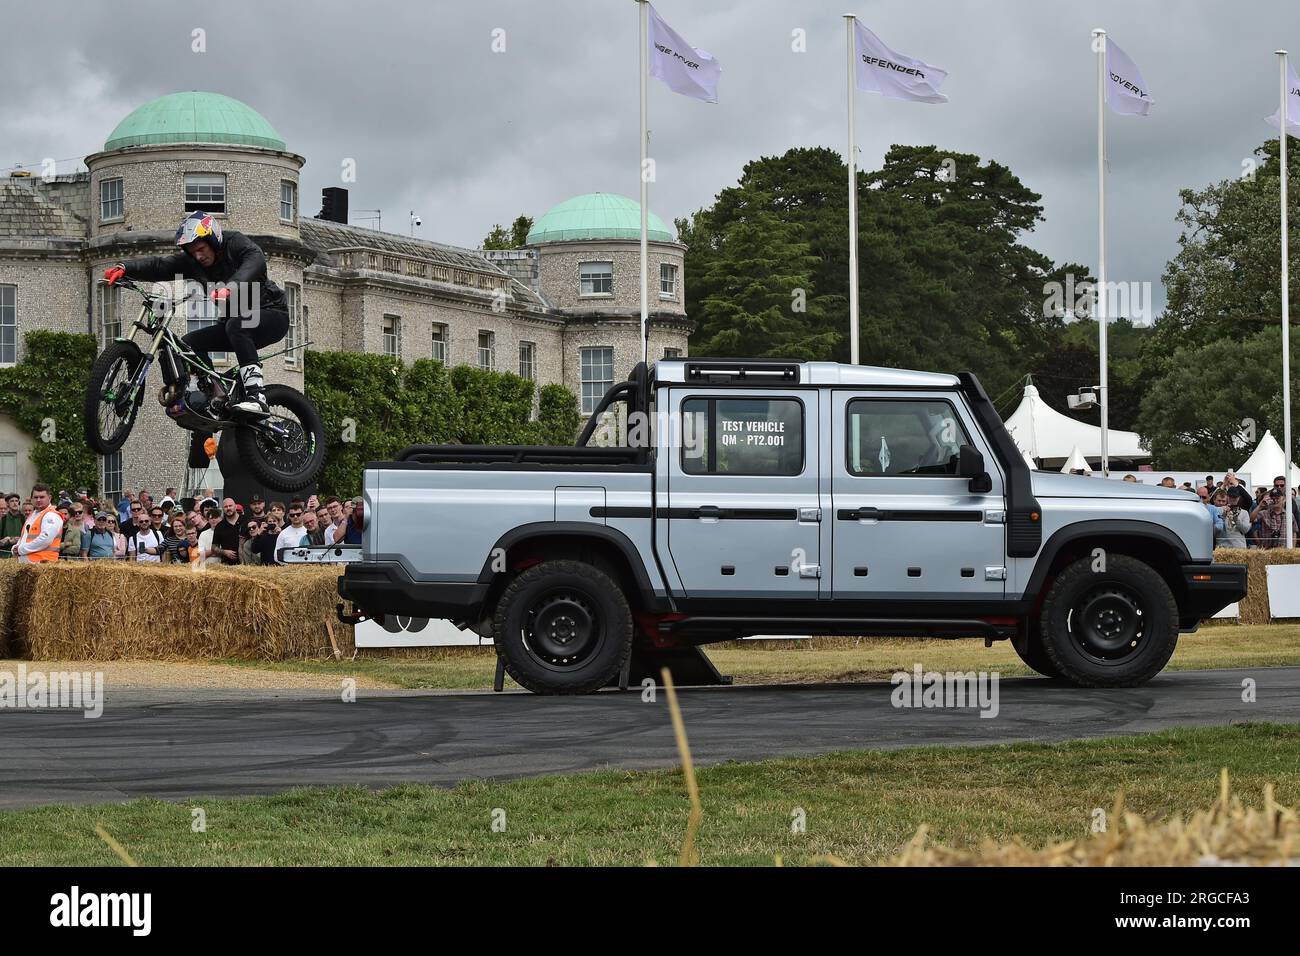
(314, 589)
(103, 610)
(9, 568)
(1228, 833)
(1254, 608)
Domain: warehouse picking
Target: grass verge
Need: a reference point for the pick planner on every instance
(860, 806)
(820, 660)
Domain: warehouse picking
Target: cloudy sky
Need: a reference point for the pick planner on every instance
(439, 123)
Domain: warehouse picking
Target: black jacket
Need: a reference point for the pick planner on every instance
(240, 260)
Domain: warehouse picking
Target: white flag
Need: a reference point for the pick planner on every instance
(1292, 104)
(683, 68)
(1126, 92)
(881, 70)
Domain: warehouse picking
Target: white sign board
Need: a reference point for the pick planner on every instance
(401, 631)
(1283, 590)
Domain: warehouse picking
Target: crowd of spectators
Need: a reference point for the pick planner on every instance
(187, 530)
(1242, 520)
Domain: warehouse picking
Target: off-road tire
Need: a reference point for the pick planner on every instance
(1115, 627)
(541, 614)
(93, 405)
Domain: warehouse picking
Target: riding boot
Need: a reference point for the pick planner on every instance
(254, 400)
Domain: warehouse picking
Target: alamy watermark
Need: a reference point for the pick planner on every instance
(41, 690)
(958, 689)
(1079, 299)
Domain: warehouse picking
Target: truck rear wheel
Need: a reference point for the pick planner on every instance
(563, 627)
(1113, 627)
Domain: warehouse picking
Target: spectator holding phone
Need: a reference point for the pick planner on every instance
(1272, 513)
(1236, 521)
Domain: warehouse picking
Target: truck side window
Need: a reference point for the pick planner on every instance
(742, 436)
(903, 437)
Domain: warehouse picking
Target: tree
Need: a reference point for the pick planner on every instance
(944, 282)
(757, 296)
(1215, 401)
(514, 238)
(1224, 287)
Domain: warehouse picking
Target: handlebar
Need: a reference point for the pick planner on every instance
(125, 283)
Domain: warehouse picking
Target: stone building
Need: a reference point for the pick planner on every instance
(565, 308)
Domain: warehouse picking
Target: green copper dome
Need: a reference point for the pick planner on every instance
(195, 118)
(597, 216)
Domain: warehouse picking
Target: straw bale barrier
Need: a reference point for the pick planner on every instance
(1254, 609)
(106, 610)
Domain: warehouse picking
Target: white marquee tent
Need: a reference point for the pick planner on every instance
(1265, 463)
(1076, 462)
(1045, 434)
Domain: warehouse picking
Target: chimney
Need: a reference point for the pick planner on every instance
(334, 205)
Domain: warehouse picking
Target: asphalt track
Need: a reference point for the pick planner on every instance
(181, 744)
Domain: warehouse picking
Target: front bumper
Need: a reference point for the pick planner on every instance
(376, 588)
(1208, 589)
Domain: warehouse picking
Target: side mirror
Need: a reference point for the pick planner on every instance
(970, 464)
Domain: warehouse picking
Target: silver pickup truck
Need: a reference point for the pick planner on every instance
(745, 497)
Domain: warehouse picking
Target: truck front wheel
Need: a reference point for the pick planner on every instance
(1109, 623)
(563, 627)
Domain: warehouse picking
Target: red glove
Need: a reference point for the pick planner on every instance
(220, 295)
(113, 274)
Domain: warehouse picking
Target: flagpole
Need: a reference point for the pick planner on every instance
(849, 20)
(1103, 396)
(1286, 304)
(645, 187)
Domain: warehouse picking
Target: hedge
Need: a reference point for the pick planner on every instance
(44, 395)
(373, 406)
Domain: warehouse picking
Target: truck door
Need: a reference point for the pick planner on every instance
(905, 526)
(743, 513)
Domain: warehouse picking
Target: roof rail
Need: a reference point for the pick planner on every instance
(742, 372)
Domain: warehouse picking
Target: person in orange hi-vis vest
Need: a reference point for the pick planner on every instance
(42, 532)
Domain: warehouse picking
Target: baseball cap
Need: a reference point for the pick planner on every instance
(255, 498)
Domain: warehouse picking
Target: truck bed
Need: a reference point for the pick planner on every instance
(541, 456)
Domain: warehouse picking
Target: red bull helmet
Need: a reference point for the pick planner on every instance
(199, 225)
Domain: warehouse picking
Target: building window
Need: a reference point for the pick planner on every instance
(597, 375)
(200, 313)
(672, 353)
(440, 342)
(110, 314)
(294, 337)
(8, 471)
(205, 192)
(110, 477)
(597, 278)
(111, 205)
(528, 360)
(393, 336)
(8, 324)
(288, 200)
(667, 280)
(487, 349)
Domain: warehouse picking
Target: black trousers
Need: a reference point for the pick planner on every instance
(244, 334)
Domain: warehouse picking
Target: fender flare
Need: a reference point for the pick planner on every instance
(543, 529)
(1101, 527)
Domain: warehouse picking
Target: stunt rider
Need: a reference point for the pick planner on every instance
(232, 261)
